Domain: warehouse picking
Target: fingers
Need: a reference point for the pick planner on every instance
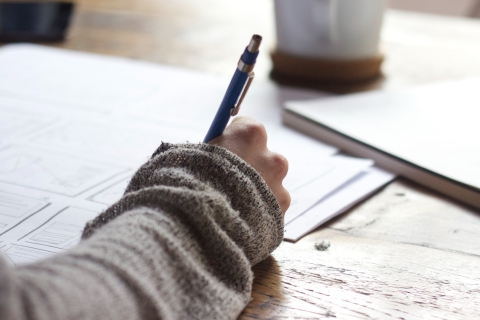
(246, 132)
(283, 198)
(247, 138)
(274, 170)
(278, 165)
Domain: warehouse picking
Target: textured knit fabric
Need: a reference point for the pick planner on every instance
(179, 245)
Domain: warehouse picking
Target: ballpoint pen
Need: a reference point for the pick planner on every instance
(238, 87)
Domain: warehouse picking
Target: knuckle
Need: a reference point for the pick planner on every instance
(280, 164)
(253, 132)
(285, 200)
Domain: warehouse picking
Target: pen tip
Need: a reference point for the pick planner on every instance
(254, 43)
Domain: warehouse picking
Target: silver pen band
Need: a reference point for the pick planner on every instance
(242, 66)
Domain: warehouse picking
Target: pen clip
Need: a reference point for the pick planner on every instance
(234, 111)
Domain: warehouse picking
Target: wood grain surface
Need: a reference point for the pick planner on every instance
(406, 252)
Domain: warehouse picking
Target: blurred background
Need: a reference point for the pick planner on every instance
(467, 8)
(420, 38)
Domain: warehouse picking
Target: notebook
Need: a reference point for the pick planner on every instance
(429, 134)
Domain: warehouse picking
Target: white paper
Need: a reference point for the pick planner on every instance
(56, 229)
(338, 202)
(14, 209)
(313, 182)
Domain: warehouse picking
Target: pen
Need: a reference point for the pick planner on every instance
(238, 87)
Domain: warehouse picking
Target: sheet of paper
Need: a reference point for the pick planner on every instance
(55, 172)
(75, 127)
(53, 229)
(338, 202)
(14, 209)
(323, 178)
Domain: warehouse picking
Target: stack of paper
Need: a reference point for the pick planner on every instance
(74, 127)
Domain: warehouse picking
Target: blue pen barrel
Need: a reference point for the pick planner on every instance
(223, 114)
(235, 89)
(249, 57)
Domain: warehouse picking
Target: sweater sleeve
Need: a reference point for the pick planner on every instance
(178, 245)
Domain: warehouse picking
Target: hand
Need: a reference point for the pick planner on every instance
(247, 138)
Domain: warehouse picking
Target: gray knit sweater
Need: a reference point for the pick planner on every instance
(178, 245)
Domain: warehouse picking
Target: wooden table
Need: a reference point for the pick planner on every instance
(407, 252)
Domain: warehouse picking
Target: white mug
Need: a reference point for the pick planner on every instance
(329, 29)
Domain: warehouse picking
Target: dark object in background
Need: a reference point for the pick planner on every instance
(34, 21)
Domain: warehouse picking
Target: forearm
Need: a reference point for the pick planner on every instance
(179, 244)
(170, 276)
